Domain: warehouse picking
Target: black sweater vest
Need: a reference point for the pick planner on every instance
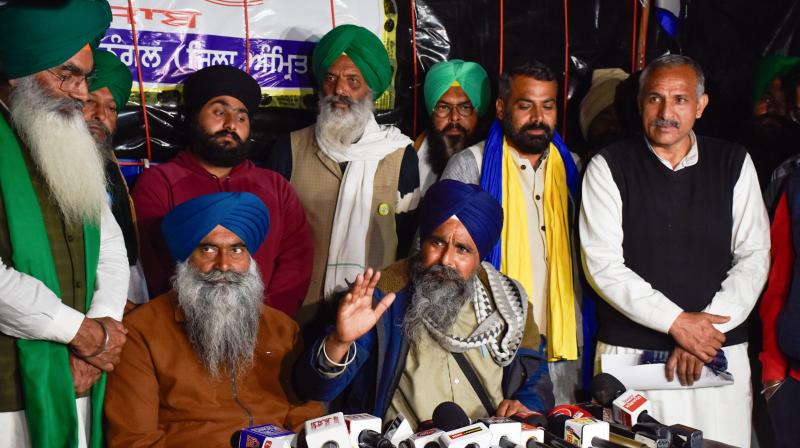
(677, 231)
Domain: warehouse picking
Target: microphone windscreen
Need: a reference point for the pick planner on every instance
(449, 416)
(605, 388)
(556, 423)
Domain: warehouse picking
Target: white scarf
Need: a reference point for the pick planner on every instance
(347, 252)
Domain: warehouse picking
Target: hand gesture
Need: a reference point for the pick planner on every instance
(695, 333)
(687, 366)
(356, 316)
(84, 375)
(90, 338)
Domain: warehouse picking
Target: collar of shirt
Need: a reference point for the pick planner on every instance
(519, 160)
(688, 160)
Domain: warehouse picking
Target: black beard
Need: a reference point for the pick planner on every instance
(441, 147)
(524, 143)
(205, 146)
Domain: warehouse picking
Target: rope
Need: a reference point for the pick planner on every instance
(132, 21)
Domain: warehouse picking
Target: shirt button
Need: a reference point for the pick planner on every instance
(456, 381)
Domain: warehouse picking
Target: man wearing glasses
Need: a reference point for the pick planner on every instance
(457, 94)
(63, 268)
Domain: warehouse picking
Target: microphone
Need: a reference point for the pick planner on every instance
(448, 416)
(531, 418)
(428, 438)
(264, 436)
(363, 425)
(398, 430)
(328, 431)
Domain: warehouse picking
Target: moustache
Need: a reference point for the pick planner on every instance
(536, 126)
(215, 276)
(331, 99)
(661, 123)
(232, 135)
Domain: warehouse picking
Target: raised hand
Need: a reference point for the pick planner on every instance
(696, 334)
(356, 316)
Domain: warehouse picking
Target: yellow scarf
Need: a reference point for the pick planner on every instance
(515, 249)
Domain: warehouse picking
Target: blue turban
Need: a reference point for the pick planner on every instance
(242, 213)
(476, 209)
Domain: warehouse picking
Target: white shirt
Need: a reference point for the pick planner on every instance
(602, 237)
(30, 310)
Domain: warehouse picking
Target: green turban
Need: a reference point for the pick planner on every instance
(362, 47)
(770, 68)
(469, 75)
(37, 38)
(112, 73)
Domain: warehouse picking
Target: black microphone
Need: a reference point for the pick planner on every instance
(449, 416)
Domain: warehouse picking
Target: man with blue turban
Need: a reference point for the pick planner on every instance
(208, 350)
(457, 94)
(358, 180)
(442, 311)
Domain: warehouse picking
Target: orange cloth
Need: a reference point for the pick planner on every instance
(161, 395)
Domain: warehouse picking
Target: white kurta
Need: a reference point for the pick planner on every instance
(601, 243)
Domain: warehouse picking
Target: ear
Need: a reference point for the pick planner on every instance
(499, 105)
(701, 105)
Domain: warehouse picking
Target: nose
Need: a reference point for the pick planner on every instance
(222, 261)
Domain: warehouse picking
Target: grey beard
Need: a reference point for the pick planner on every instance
(338, 129)
(222, 311)
(62, 148)
(439, 293)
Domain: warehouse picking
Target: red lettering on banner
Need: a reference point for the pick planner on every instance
(186, 19)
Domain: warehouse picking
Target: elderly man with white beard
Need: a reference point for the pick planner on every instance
(63, 270)
(358, 181)
(442, 311)
(207, 358)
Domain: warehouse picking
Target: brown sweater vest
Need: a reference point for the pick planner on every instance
(317, 179)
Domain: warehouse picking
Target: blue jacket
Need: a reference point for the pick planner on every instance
(369, 382)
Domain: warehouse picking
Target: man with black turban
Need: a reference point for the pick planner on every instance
(457, 95)
(207, 358)
(358, 181)
(220, 102)
(433, 312)
(63, 270)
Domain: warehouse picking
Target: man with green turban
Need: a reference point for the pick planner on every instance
(358, 180)
(457, 94)
(108, 93)
(63, 269)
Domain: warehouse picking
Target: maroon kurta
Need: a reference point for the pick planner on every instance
(285, 256)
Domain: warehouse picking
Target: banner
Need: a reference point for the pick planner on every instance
(272, 39)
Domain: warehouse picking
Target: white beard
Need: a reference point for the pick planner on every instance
(62, 148)
(337, 129)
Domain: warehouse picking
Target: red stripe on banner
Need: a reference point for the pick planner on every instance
(132, 21)
(333, 15)
(414, 55)
(566, 71)
(247, 37)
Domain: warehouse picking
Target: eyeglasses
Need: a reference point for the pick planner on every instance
(443, 110)
(72, 83)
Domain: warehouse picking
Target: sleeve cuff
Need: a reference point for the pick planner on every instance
(663, 315)
(66, 322)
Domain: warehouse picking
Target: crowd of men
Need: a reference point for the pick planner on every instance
(358, 260)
